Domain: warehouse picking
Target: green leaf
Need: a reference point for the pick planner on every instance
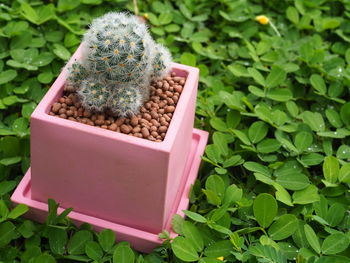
(295, 181)
(335, 214)
(44, 258)
(314, 120)
(20, 127)
(165, 18)
(6, 187)
(212, 197)
(27, 109)
(218, 124)
(215, 184)
(195, 217)
(94, 251)
(193, 235)
(7, 233)
(318, 83)
(29, 13)
(344, 113)
(265, 209)
(220, 140)
(183, 249)
(57, 240)
(257, 167)
(176, 224)
(276, 77)
(282, 194)
(7, 76)
(234, 160)
(188, 59)
(221, 248)
(45, 77)
(123, 254)
(335, 243)
(10, 160)
(292, 15)
(312, 159)
(283, 227)
(344, 173)
(76, 245)
(106, 238)
(257, 76)
(343, 152)
(334, 118)
(268, 146)
(241, 136)
(306, 196)
(257, 131)
(312, 238)
(280, 94)
(331, 169)
(303, 140)
(61, 52)
(18, 211)
(232, 194)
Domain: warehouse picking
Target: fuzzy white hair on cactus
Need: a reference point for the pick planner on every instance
(118, 49)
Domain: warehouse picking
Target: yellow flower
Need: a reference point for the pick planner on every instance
(220, 258)
(145, 15)
(264, 20)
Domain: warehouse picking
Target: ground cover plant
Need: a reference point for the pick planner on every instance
(274, 92)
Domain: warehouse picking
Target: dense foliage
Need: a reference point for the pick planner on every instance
(274, 186)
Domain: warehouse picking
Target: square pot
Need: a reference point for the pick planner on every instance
(140, 240)
(106, 174)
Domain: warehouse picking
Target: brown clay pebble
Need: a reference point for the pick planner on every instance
(134, 121)
(99, 122)
(113, 127)
(56, 107)
(147, 116)
(145, 132)
(119, 121)
(137, 129)
(151, 123)
(169, 109)
(62, 110)
(155, 123)
(154, 114)
(69, 101)
(178, 88)
(166, 86)
(86, 114)
(125, 128)
(162, 129)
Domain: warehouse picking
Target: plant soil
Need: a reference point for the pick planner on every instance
(151, 123)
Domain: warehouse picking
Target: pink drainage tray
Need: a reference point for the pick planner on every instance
(140, 240)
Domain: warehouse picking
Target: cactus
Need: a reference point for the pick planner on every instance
(161, 62)
(119, 57)
(125, 101)
(77, 73)
(94, 95)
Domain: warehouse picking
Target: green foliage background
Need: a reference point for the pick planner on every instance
(274, 186)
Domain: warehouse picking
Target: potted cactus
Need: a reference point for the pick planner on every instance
(119, 60)
(118, 83)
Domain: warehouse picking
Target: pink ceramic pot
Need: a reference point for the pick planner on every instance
(110, 175)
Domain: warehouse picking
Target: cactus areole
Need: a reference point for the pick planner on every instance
(119, 61)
